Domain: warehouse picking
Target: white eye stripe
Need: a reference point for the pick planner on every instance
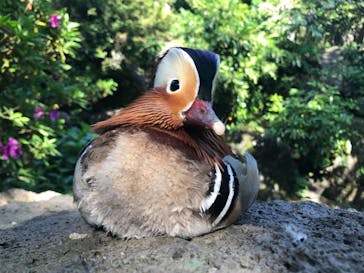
(172, 66)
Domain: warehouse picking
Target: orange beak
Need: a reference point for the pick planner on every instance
(202, 114)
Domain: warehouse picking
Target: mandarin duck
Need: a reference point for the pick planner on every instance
(161, 166)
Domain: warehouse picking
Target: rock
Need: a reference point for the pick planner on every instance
(21, 195)
(16, 213)
(276, 236)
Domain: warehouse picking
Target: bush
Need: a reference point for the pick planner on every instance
(38, 94)
(54, 71)
(314, 114)
(314, 124)
(120, 40)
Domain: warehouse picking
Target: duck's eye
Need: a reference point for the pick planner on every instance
(174, 85)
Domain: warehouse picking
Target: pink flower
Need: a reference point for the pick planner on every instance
(55, 21)
(11, 149)
(54, 115)
(38, 112)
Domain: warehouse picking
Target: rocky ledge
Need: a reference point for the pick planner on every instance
(278, 236)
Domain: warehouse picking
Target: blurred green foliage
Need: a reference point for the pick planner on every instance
(120, 40)
(39, 95)
(290, 75)
(314, 125)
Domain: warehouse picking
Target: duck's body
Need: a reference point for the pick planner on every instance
(150, 173)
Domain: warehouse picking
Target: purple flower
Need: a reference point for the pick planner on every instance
(54, 115)
(55, 21)
(38, 112)
(11, 149)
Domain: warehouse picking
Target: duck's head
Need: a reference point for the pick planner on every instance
(183, 89)
(187, 78)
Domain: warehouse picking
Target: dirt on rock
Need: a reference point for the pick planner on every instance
(276, 236)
